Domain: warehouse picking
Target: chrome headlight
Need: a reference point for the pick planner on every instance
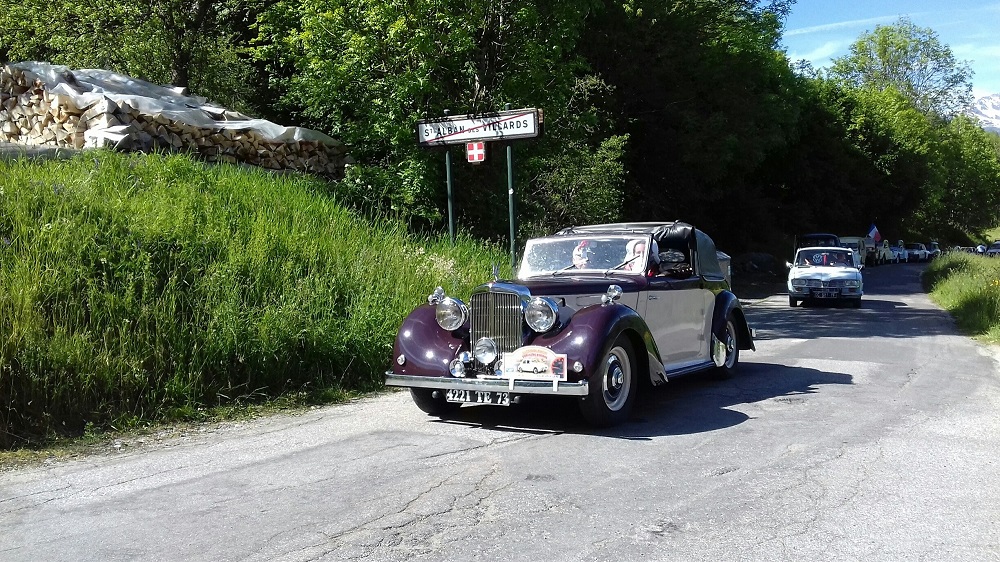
(451, 313)
(541, 314)
(798, 282)
(485, 351)
(851, 283)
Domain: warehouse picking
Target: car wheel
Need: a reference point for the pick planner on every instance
(434, 405)
(793, 302)
(612, 387)
(732, 340)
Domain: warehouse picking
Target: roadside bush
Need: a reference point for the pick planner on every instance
(136, 288)
(968, 286)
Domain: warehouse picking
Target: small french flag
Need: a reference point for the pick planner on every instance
(873, 234)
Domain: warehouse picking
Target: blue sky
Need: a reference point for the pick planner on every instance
(821, 30)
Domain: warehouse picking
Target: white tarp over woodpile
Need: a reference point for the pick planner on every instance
(89, 86)
(46, 105)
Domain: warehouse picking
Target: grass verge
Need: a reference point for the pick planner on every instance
(138, 289)
(968, 286)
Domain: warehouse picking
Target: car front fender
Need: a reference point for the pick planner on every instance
(592, 330)
(425, 347)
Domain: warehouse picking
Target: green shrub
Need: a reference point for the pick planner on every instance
(968, 286)
(139, 288)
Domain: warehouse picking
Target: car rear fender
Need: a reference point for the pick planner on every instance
(726, 303)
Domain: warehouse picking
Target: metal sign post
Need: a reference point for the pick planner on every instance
(460, 129)
(451, 215)
(510, 198)
(510, 204)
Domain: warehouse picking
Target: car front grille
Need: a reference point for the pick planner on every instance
(499, 316)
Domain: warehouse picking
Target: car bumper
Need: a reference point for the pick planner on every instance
(825, 293)
(550, 388)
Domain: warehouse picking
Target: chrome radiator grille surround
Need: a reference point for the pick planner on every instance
(499, 316)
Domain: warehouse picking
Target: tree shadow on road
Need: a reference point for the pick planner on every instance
(878, 316)
(687, 405)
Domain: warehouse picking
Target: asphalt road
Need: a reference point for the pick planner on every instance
(868, 434)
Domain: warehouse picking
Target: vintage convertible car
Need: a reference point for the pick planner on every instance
(825, 274)
(595, 313)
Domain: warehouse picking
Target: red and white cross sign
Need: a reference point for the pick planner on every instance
(475, 151)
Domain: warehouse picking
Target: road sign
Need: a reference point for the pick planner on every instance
(475, 152)
(458, 129)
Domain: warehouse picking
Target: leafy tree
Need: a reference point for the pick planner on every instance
(968, 194)
(701, 92)
(368, 70)
(912, 60)
(198, 45)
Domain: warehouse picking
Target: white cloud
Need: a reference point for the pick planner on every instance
(821, 55)
(852, 24)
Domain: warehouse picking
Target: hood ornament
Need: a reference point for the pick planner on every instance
(496, 272)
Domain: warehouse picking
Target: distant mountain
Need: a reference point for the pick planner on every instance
(988, 111)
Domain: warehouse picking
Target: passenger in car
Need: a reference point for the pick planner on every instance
(634, 250)
(633, 255)
(581, 254)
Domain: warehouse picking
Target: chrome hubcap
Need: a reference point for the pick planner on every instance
(617, 381)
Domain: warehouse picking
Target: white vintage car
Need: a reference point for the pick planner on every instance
(885, 254)
(902, 256)
(825, 273)
(917, 252)
(863, 246)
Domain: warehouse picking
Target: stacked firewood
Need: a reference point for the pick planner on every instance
(30, 114)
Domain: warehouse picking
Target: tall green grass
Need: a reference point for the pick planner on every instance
(968, 286)
(139, 288)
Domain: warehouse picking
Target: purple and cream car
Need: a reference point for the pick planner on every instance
(595, 313)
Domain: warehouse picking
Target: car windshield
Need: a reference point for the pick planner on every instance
(822, 257)
(584, 254)
(995, 246)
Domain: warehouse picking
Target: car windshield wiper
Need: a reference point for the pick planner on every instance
(619, 266)
(567, 268)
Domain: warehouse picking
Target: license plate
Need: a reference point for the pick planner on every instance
(479, 397)
(827, 294)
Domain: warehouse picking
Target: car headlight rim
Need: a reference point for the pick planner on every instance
(451, 313)
(485, 351)
(541, 314)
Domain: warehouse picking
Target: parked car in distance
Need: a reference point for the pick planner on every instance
(594, 313)
(934, 250)
(994, 250)
(824, 273)
(884, 254)
(902, 256)
(917, 252)
(863, 246)
(816, 239)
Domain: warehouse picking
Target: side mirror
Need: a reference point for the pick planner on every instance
(788, 264)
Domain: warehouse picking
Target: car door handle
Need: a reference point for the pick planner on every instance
(652, 297)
